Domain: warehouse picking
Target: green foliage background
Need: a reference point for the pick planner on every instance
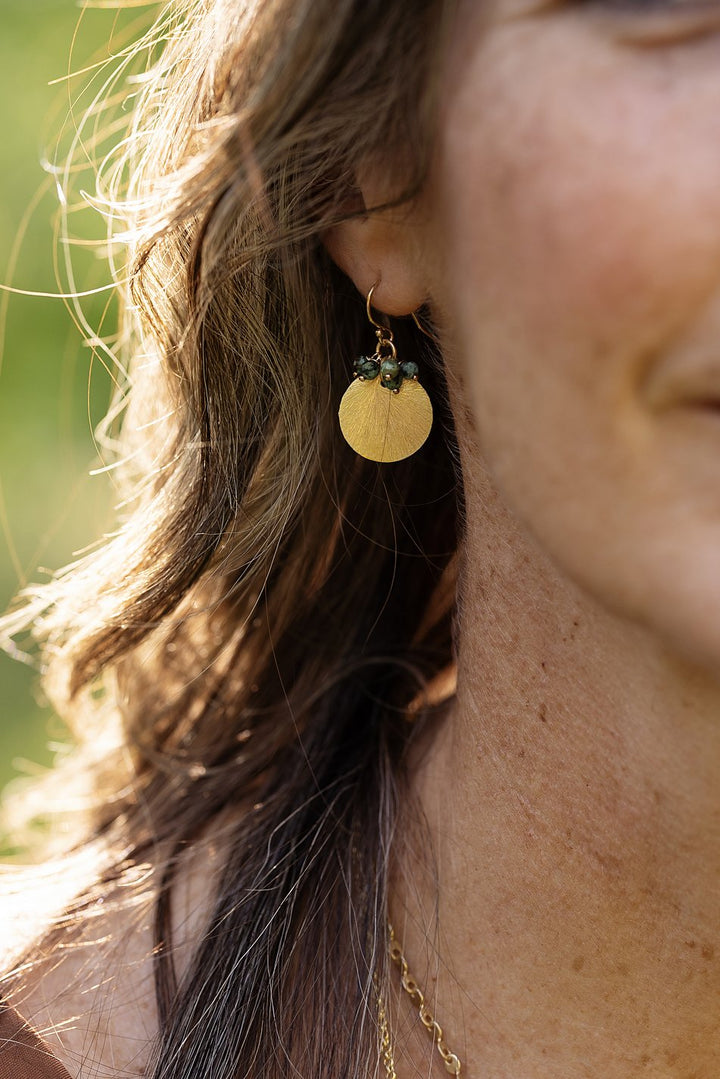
(53, 390)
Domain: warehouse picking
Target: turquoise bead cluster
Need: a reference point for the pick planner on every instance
(391, 372)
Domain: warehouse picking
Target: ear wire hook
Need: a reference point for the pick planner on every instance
(422, 329)
(368, 308)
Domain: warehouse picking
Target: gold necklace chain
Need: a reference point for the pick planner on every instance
(428, 1020)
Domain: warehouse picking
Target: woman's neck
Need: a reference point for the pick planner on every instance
(573, 807)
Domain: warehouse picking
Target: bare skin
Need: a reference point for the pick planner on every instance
(573, 808)
(96, 1006)
(568, 245)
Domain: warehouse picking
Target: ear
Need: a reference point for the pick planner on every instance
(382, 248)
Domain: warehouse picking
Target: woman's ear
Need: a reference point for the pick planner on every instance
(381, 248)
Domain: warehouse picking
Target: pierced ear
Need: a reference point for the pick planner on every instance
(381, 248)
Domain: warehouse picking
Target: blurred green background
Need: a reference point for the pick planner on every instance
(53, 390)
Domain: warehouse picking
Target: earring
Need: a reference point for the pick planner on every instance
(385, 414)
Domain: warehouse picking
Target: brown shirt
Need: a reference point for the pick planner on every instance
(23, 1054)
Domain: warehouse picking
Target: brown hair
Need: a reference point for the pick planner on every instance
(272, 605)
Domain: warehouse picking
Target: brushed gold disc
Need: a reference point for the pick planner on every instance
(382, 425)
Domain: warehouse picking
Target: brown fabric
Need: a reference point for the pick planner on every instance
(23, 1055)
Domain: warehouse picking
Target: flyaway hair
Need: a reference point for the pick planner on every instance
(256, 637)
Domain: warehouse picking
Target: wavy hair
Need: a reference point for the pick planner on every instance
(273, 608)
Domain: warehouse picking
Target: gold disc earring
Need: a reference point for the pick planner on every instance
(385, 414)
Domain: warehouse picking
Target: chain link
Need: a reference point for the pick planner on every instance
(386, 1051)
(428, 1020)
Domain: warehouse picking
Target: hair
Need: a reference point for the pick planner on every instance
(261, 631)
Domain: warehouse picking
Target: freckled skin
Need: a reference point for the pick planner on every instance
(568, 244)
(571, 247)
(575, 209)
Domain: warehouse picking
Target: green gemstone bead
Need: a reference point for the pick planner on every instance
(409, 369)
(367, 368)
(393, 383)
(390, 370)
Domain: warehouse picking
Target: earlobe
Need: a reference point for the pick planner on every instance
(380, 249)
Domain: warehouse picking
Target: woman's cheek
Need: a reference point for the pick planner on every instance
(577, 193)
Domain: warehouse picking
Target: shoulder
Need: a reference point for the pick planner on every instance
(88, 987)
